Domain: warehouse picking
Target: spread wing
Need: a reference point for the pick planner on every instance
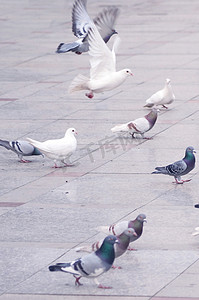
(105, 22)
(102, 59)
(81, 21)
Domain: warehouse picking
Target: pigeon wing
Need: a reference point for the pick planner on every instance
(105, 22)
(141, 125)
(176, 168)
(102, 59)
(81, 21)
(91, 265)
(23, 147)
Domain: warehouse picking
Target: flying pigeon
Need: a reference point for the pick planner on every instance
(196, 231)
(58, 149)
(162, 97)
(103, 75)
(21, 148)
(91, 265)
(81, 23)
(138, 126)
(120, 248)
(118, 228)
(179, 168)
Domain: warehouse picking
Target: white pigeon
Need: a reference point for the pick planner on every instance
(103, 74)
(162, 97)
(196, 231)
(58, 149)
(138, 126)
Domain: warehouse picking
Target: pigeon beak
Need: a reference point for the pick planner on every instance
(131, 74)
(135, 234)
(145, 220)
(194, 151)
(117, 242)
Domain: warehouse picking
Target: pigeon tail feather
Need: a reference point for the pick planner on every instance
(149, 104)
(58, 267)
(160, 170)
(62, 48)
(80, 82)
(121, 127)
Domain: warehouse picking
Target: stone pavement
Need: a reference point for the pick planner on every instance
(44, 212)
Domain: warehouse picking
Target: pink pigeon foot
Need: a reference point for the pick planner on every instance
(89, 95)
(131, 249)
(181, 181)
(100, 286)
(25, 161)
(115, 267)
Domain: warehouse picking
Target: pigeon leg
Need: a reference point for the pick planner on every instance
(77, 280)
(90, 95)
(178, 181)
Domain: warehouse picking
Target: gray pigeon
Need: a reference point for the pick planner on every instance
(138, 126)
(118, 228)
(120, 248)
(179, 168)
(162, 97)
(91, 265)
(81, 23)
(21, 148)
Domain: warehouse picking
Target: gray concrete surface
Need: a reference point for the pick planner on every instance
(44, 212)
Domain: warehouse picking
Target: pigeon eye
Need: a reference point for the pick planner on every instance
(73, 130)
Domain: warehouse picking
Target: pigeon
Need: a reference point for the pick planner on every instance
(21, 148)
(58, 149)
(120, 248)
(162, 97)
(196, 232)
(103, 75)
(179, 168)
(81, 23)
(119, 228)
(138, 126)
(91, 265)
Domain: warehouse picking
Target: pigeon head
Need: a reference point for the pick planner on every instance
(190, 149)
(141, 218)
(128, 72)
(130, 232)
(71, 131)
